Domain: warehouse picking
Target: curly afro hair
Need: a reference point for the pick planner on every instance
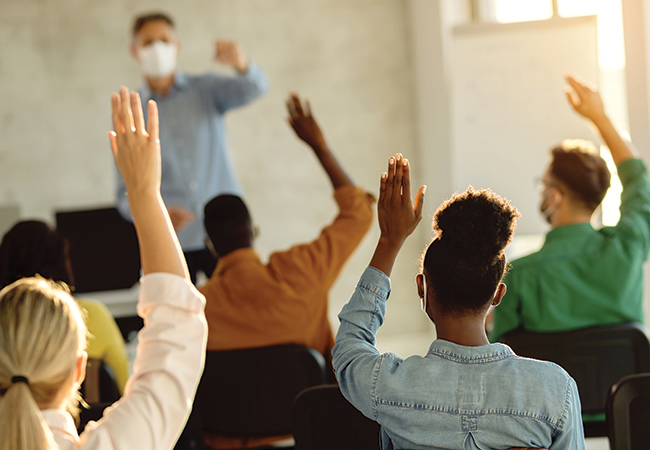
(465, 262)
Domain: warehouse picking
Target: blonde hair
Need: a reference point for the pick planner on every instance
(42, 333)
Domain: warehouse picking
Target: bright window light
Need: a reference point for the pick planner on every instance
(611, 49)
(508, 11)
(612, 201)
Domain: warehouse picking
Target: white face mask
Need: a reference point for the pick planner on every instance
(548, 209)
(157, 59)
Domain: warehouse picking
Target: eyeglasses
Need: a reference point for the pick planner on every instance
(542, 184)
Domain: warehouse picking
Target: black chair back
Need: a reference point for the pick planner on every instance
(99, 390)
(249, 393)
(628, 413)
(104, 249)
(596, 358)
(324, 420)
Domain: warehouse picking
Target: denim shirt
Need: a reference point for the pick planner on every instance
(196, 163)
(455, 397)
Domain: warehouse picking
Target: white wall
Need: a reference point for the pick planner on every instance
(59, 61)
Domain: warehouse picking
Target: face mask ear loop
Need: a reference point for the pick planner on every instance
(550, 209)
(423, 299)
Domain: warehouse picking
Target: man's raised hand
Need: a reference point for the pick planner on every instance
(304, 123)
(232, 54)
(584, 99)
(136, 150)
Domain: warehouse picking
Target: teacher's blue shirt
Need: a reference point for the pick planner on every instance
(196, 164)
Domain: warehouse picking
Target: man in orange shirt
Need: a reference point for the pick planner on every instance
(251, 304)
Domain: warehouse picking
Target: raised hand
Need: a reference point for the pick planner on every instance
(137, 156)
(232, 54)
(136, 150)
(397, 214)
(305, 126)
(584, 99)
(303, 122)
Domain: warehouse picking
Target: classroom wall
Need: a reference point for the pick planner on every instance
(60, 60)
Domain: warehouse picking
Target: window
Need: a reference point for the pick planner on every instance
(611, 59)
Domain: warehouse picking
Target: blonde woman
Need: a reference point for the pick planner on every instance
(43, 336)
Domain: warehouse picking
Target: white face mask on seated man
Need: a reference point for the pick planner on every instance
(157, 59)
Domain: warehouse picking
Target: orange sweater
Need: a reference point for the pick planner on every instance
(250, 304)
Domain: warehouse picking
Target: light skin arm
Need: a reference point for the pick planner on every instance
(304, 124)
(586, 101)
(397, 214)
(231, 54)
(137, 155)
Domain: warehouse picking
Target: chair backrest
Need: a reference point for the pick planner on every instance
(103, 249)
(99, 386)
(628, 413)
(99, 390)
(249, 393)
(324, 420)
(595, 357)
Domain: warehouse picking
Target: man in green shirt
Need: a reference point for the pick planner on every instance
(583, 277)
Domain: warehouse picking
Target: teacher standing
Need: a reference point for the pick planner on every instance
(196, 164)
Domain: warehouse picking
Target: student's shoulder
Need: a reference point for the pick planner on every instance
(527, 262)
(94, 307)
(543, 373)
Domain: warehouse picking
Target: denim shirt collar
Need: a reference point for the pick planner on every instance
(461, 353)
(180, 81)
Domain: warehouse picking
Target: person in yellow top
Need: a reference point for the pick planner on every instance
(32, 247)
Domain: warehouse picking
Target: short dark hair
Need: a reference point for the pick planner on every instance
(466, 262)
(578, 166)
(31, 247)
(228, 223)
(142, 19)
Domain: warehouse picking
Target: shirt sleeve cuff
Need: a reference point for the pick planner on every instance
(346, 196)
(375, 281)
(169, 289)
(630, 169)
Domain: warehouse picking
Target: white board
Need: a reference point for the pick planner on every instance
(509, 107)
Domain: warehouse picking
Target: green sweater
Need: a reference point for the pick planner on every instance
(583, 277)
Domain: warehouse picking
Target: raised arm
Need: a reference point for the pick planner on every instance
(397, 214)
(304, 124)
(137, 155)
(171, 349)
(586, 101)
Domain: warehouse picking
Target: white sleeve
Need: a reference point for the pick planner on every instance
(171, 353)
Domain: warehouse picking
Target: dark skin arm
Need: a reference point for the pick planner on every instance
(304, 124)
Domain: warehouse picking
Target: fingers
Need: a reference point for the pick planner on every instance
(406, 178)
(390, 179)
(399, 173)
(297, 106)
(419, 202)
(113, 140)
(153, 126)
(290, 107)
(115, 114)
(382, 187)
(307, 107)
(125, 112)
(574, 102)
(136, 106)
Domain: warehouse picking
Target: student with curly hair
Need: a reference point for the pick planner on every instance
(465, 393)
(43, 335)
